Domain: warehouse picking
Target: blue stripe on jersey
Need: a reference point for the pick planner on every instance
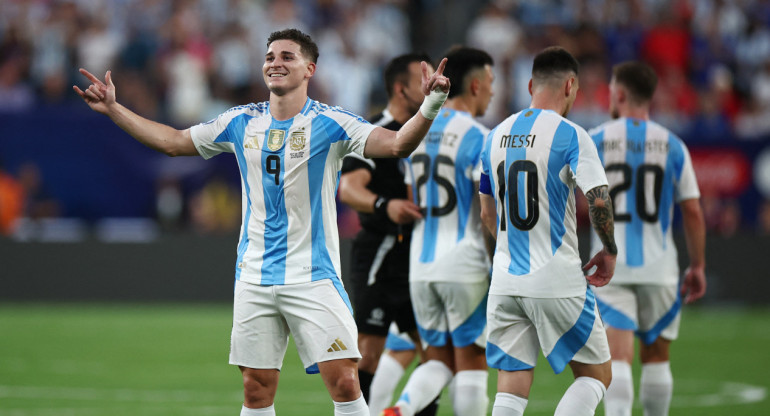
(276, 218)
(486, 167)
(636, 132)
(518, 240)
(615, 318)
(306, 108)
(234, 133)
(497, 358)
(671, 175)
(467, 332)
(574, 339)
(467, 155)
(648, 337)
(564, 149)
(343, 294)
(598, 140)
(322, 266)
(430, 229)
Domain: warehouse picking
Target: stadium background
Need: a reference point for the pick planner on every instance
(89, 216)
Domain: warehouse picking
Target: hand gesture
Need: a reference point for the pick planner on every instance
(605, 268)
(437, 81)
(403, 211)
(99, 95)
(694, 285)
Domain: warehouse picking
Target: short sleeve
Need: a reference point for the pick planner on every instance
(213, 137)
(687, 186)
(354, 130)
(585, 163)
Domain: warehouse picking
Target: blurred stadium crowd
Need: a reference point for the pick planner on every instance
(185, 61)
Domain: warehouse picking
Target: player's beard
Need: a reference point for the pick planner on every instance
(614, 113)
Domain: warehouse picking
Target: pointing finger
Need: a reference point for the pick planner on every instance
(424, 67)
(441, 66)
(90, 76)
(108, 78)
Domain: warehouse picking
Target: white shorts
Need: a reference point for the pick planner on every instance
(566, 329)
(317, 314)
(649, 310)
(450, 310)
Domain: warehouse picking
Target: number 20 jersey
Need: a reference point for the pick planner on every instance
(531, 163)
(648, 169)
(448, 243)
(289, 174)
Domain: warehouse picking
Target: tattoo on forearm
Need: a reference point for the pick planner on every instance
(600, 210)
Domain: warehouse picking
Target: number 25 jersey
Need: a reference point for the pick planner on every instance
(448, 243)
(648, 169)
(289, 175)
(531, 163)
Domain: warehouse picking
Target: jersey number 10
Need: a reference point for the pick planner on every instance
(531, 196)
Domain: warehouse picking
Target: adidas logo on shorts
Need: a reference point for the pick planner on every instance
(337, 345)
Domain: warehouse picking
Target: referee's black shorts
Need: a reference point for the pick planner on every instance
(380, 283)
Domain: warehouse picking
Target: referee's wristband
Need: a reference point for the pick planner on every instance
(432, 103)
(381, 207)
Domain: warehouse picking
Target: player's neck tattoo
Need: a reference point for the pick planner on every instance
(600, 210)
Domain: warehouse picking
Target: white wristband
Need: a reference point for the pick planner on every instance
(431, 105)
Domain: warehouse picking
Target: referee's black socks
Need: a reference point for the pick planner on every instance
(365, 379)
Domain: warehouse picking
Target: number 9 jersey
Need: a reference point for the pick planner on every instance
(648, 169)
(531, 163)
(448, 242)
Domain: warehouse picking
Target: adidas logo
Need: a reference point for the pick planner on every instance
(337, 345)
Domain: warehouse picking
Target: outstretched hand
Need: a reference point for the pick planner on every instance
(437, 81)
(605, 268)
(99, 95)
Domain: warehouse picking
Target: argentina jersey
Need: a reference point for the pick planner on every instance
(289, 175)
(531, 163)
(447, 243)
(648, 169)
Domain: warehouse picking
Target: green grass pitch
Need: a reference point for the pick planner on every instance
(128, 360)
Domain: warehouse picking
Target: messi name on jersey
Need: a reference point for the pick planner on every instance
(518, 140)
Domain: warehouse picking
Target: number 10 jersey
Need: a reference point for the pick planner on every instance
(648, 169)
(531, 163)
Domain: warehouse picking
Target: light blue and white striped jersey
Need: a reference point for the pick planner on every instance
(289, 176)
(648, 169)
(447, 243)
(531, 163)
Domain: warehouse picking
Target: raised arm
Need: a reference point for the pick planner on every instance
(100, 96)
(600, 211)
(694, 285)
(388, 143)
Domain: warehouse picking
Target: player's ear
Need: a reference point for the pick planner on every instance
(474, 86)
(530, 87)
(568, 88)
(310, 69)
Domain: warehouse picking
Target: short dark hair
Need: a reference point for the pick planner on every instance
(306, 45)
(461, 61)
(553, 61)
(397, 69)
(639, 78)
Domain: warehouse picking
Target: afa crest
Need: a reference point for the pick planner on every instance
(275, 139)
(297, 140)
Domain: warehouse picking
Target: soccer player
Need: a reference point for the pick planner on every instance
(648, 169)
(449, 267)
(380, 255)
(539, 297)
(289, 151)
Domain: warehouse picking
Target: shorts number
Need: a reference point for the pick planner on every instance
(273, 167)
(641, 185)
(441, 181)
(531, 196)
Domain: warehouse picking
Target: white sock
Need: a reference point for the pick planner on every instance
(581, 398)
(656, 388)
(620, 395)
(425, 383)
(507, 404)
(389, 372)
(265, 411)
(355, 408)
(470, 393)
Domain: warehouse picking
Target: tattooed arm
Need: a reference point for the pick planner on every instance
(600, 210)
